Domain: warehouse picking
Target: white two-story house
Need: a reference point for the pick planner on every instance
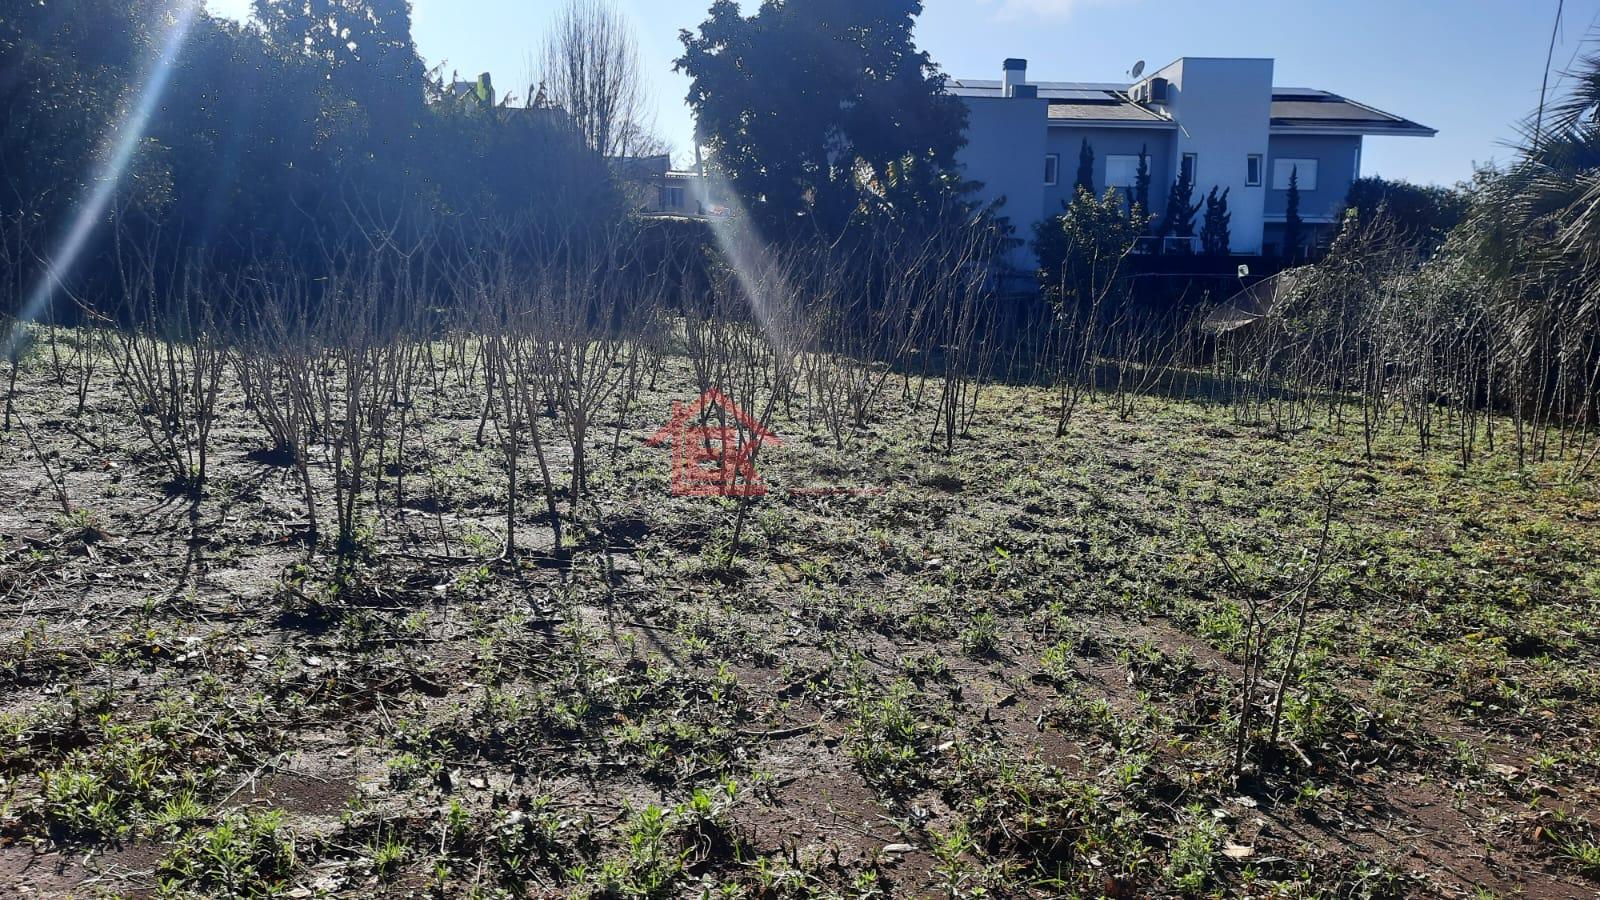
(1222, 119)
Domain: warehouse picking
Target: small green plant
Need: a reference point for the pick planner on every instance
(180, 811)
(1056, 663)
(387, 851)
(407, 769)
(960, 877)
(82, 524)
(538, 839)
(1192, 858)
(126, 776)
(704, 821)
(774, 877)
(84, 801)
(927, 668)
(1581, 853)
(479, 543)
(441, 876)
(982, 636)
(457, 825)
(245, 855)
(651, 866)
(884, 737)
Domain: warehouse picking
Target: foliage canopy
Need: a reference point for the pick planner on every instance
(814, 110)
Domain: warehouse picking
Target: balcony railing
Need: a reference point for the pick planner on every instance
(1171, 245)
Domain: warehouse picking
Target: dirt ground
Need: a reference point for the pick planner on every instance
(1010, 670)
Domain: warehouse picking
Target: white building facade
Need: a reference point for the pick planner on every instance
(1221, 118)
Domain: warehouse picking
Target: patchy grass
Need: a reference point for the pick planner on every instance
(1011, 670)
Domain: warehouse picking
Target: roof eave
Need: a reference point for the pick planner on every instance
(1398, 130)
(1308, 218)
(1112, 123)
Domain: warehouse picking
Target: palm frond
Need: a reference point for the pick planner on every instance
(1580, 106)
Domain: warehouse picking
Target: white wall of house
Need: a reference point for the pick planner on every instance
(1337, 161)
(1122, 143)
(1224, 109)
(1327, 164)
(678, 193)
(1216, 112)
(688, 192)
(1005, 151)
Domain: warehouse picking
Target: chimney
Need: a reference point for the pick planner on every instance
(1016, 73)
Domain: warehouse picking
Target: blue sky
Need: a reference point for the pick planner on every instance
(1470, 68)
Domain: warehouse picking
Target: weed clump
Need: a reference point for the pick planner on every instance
(246, 855)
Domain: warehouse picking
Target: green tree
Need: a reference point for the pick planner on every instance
(1179, 219)
(66, 74)
(1214, 236)
(1081, 250)
(1422, 213)
(1085, 180)
(1139, 208)
(1530, 248)
(365, 49)
(813, 108)
(1293, 227)
(267, 142)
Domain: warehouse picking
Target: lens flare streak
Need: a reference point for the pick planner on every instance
(123, 144)
(759, 274)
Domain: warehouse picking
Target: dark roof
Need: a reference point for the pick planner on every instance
(1091, 101)
(1123, 111)
(1074, 101)
(1310, 109)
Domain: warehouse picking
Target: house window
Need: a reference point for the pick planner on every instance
(1052, 168)
(1122, 171)
(1191, 167)
(1252, 170)
(1304, 169)
(674, 198)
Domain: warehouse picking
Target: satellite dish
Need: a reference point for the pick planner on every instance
(1255, 303)
(1138, 69)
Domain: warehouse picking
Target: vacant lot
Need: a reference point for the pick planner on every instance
(1013, 669)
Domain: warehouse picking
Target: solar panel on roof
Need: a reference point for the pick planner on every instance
(1341, 110)
(1092, 96)
(1084, 85)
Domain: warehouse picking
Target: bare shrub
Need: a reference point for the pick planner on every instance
(963, 316)
(278, 363)
(1272, 613)
(170, 358)
(585, 303)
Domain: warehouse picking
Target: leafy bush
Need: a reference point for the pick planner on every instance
(1081, 251)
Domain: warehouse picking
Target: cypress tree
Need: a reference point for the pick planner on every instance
(1141, 191)
(1292, 224)
(1214, 237)
(1085, 180)
(1179, 220)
